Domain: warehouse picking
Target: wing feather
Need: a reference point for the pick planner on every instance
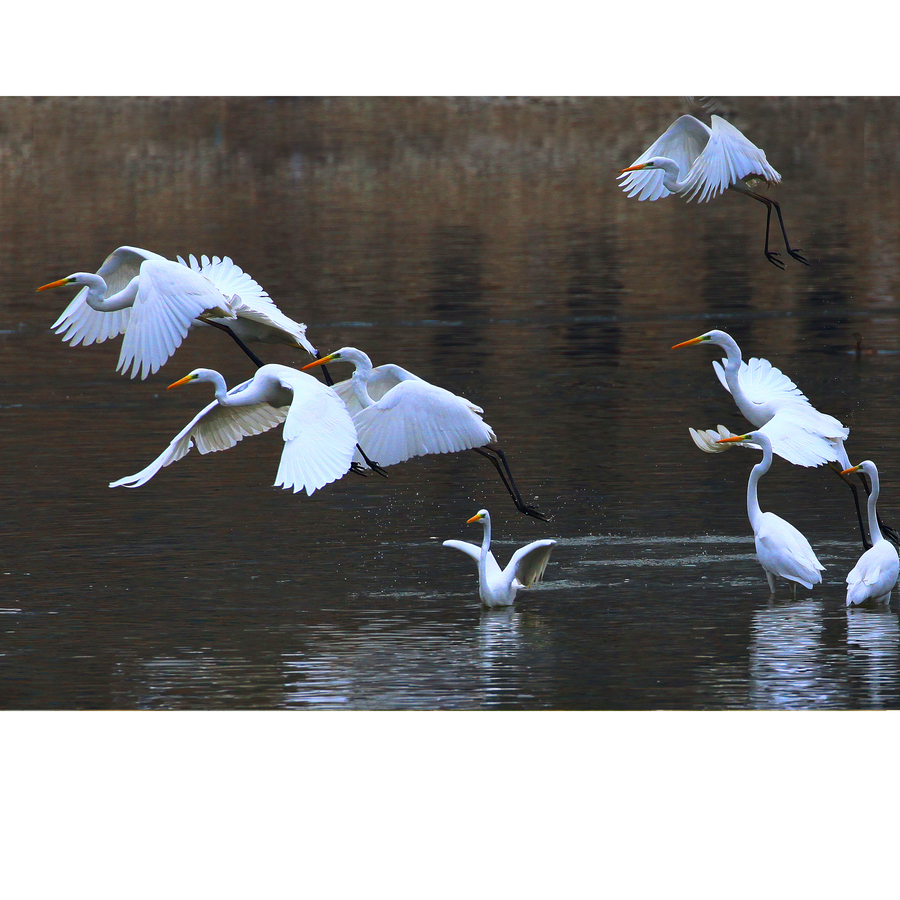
(683, 141)
(529, 562)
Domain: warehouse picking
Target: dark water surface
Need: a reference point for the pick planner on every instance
(485, 245)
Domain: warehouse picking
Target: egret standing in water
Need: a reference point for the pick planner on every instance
(768, 399)
(694, 160)
(780, 548)
(153, 301)
(874, 576)
(496, 586)
(399, 415)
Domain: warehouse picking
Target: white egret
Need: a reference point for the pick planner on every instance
(695, 160)
(153, 301)
(399, 415)
(496, 586)
(769, 400)
(319, 437)
(780, 548)
(874, 576)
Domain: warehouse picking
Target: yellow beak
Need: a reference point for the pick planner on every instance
(318, 362)
(61, 283)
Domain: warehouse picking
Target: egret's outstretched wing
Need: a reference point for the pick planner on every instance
(170, 296)
(728, 157)
(472, 550)
(229, 278)
(81, 324)
(529, 562)
(683, 141)
(319, 435)
(706, 439)
(382, 379)
(415, 418)
(215, 427)
(805, 437)
(762, 383)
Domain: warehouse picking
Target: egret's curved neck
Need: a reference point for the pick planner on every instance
(760, 469)
(216, 379)
(671, 175)
(874, 529)
(96, 298)
(360, 378)
(733, 359)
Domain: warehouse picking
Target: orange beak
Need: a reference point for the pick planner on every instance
(633, 168)
(180, 381)
(695, 340)
(61, 283)
(851, 469)
(737, 437)
(475, 518)
(318, 362)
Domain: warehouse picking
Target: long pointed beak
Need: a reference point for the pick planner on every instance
(475, 518)
(851, 469)
(318, 362)
(61, 283)
(695, 340)
(180, 381)
(731, 440)
(634, 168)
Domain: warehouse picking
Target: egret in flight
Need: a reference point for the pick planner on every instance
(319, 436)
(780, 548)
(770, 401)
(874, 576)
(694, 160)
(496, 586)
(399, 415)
(153, 301)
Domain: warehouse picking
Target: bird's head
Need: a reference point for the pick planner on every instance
(756, 439)
(345, 354)
(196, 375)
(714, 337)
(76, 278)
(479, 516)
(655, 162)
(866, 466)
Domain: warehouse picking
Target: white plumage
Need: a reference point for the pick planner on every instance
(319, 437)
(769, 400)
(496, 586)
(700, 162)
(874, 576)
(780, 548)
(153, 301)
(399, 415)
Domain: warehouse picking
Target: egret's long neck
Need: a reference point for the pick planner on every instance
(96, 299)
(874, 529)
(360, 378)
(757, 472)
(485, 546)
(671, 175)
(216, 379)
(732, 364)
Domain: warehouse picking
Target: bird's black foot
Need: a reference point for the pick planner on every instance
(773, 257)
(360, 470)
(531, 511)
(376, 468)
(796, 255)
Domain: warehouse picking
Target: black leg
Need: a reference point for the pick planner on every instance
(836, 467)
(771, 255)
(508, 482)
(256, 360)
(372, 465)
(886, 530)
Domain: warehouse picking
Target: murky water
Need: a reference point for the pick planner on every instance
(484, 245)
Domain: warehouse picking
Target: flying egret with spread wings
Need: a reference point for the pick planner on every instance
(699, 161)
(496, 586)
(769, 400)
(399, 415)
(780, 548)
(874, 576)
(153, 301)
(319, 436)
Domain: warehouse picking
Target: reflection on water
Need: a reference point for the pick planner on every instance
(485, 245)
